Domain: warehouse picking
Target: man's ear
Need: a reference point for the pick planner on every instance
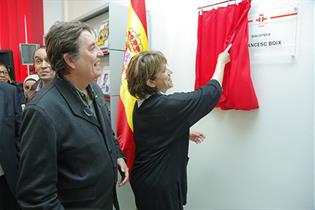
(151, 83)
(69, 60)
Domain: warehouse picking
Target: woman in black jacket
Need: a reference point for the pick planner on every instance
(161, 128)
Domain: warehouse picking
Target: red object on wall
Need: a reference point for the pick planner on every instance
(216, 29)
(20, 19)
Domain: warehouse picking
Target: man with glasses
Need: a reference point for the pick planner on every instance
(5, 77)
(4, 73)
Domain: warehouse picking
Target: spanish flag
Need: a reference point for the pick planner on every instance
(136, 41)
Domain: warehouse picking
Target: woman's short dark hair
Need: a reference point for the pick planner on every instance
(62, 38)
(142, 67)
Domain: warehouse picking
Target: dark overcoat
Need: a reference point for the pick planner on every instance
(161, 129)
(68, 156)
(10, 119)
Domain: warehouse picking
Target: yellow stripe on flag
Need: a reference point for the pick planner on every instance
(128, 101)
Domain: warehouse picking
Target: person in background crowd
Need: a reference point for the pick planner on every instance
(29, 81)
(69, 155)
(5, 77)
(43, 69)
(4, 73)
(161, 129)
(10, 119)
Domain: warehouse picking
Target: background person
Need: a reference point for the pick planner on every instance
(42, 67)
(4, 73)
(161, 129)
(5, 77)
(28, 83)
(44, 71)
(10, 119)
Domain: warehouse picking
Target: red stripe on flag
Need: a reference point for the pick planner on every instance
(139, 8)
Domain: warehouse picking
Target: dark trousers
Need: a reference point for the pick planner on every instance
(7, 200)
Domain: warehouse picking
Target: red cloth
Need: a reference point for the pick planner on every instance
(14, 16)
(216, 29)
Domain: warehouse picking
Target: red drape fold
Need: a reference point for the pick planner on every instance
(16, 18)
(216, 29)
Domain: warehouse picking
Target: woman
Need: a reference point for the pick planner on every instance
(161, 129)
(29, 81)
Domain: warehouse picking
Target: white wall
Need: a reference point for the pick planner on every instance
(67, 10)
(53, 11)
(314, 108)
(76, 8)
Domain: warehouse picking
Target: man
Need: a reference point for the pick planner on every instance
(44, 71)
(69, 156)
(4, 73)
(5, 77)
(10, 113)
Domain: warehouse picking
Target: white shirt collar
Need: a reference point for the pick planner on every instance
(140, 101)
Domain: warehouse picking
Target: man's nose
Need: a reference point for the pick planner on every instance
(99, 52)
(45, 64)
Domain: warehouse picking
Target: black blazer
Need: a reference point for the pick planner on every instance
(10, 114)
(161, 130)
(68, 156)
